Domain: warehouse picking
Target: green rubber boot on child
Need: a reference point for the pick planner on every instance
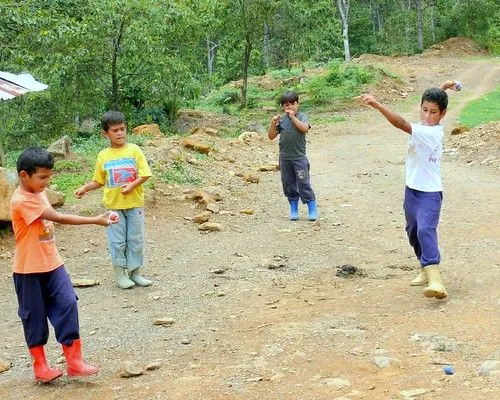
(122, 279)
(138, 279)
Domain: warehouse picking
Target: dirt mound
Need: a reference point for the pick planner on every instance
(480, 145)
(456, 46)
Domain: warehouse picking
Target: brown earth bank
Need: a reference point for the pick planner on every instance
(266, 308)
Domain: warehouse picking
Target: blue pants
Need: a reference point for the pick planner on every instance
(48, 295)
(126, 239)
(422, 211)
(296, 180)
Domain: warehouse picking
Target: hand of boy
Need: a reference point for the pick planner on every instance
(80, 192)
(369, 100)
(126, 189)
(112, 218)
(276, 119)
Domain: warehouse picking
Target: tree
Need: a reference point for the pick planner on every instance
(343, 6)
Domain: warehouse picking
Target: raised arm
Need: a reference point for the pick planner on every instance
(448, 85)
(272, 132)
(395, 119)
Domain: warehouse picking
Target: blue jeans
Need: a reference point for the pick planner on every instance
(422, 211)
(126, 239)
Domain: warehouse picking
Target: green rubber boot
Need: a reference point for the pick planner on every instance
(122, 279)
(138, 279)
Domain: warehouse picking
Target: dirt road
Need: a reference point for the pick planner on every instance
(248, 328)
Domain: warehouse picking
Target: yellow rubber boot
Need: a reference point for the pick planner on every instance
(436, 288)
(420, 280)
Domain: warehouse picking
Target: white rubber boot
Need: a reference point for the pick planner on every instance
(122, 279)
(436, 288)
(420, 280)
(138, 279)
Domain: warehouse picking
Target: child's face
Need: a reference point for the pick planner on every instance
(37, 182)
(430, 114)
(290, 106)
(117, 135)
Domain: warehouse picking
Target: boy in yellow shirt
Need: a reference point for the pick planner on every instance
(122, 169)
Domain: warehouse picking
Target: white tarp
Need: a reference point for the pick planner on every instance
(12, 85)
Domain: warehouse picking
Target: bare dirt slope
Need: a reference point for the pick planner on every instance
(248, 328)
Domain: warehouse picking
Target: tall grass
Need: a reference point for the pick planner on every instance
(483, 110)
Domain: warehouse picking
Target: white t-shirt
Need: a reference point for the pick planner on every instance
(423, 161)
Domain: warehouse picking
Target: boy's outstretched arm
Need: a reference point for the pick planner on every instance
(70, 219)
(86, 188)
(394, 118)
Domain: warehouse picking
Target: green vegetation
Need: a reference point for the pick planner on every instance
(149, 58)
(68, 182)
(483, 110)
(179, 174)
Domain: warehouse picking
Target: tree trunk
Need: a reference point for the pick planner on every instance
(376, 16)
(211, 49)
(420, 25)
(343, 6)
(115, 89)
(265, 47)
(2, 156)
(406, 7)
(433, 21)
(246, 62)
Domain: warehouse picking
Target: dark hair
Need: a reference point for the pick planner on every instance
(33, 158)
(111, 118)
(289, 97)
(436, 95)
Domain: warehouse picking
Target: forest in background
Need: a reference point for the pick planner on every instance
(149, 58)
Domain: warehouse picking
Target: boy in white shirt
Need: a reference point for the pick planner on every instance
(424, 189)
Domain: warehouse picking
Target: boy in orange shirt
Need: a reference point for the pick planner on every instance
(44, 289)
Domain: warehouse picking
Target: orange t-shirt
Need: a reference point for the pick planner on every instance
(36, 249)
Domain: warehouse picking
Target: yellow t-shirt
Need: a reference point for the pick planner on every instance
(36, 249)
(117, 167)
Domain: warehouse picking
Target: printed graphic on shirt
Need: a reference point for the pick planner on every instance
(46, 231)
(434, 157)
(120, 172)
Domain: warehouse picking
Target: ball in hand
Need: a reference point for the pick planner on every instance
(113, 217)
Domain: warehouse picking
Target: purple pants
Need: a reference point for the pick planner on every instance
(296, 180)
(422, 211)
(48, 295)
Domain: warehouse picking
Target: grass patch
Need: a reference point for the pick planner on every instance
(68, 182)
(326, 119)
(331, 87)
(483, 110)
(180, 175)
